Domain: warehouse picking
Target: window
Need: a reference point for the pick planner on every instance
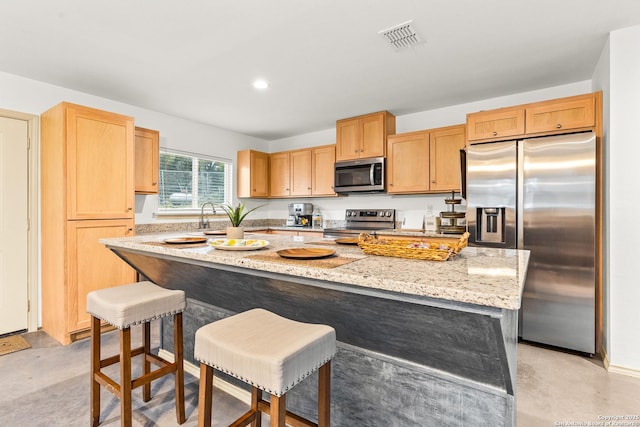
(188, 181)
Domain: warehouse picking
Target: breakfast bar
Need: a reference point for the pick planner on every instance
(419, 342)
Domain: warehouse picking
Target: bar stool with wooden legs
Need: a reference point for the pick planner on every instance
(125, 306)
(270, 353)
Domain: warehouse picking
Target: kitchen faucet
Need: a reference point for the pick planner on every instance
(204, 222)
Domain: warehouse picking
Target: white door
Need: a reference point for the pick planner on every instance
(13, 224)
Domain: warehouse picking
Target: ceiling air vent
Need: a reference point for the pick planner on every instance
(401, 36)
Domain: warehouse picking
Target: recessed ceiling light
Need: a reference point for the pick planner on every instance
(261, 84)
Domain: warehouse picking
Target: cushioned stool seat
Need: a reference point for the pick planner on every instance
(269, 352)
(122, 307)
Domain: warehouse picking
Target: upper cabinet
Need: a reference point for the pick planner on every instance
(364, 136)
(95, 150)
(290, 173)
(147, 159)
(541, 118)
(300, 166)
(444, 157)
(253, 174)
(425, 161)
(495, 123)
(569, 113)
(298, 173)
(280, 174)
(408, 163)
(323, 159)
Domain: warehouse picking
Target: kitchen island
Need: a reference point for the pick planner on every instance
(419, 342)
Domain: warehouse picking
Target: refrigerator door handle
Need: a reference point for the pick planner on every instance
(520, 195)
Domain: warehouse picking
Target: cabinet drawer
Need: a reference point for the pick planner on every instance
(495, 123)
(570, 114)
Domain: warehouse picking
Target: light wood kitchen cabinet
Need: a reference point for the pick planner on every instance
(99, 162)
(364, 136)
(306, 233)
(85, 274)
(87, 192)
(499, 123)
(551, 117)
(290, 173)
(300, 178)
(425, 161)
(280, 174)
(147, 160)
(297, 173)
(323, 159)
(444, 157)
(408, 163)
(557, 115)
(253, 174)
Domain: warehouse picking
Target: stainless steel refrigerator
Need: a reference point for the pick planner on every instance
(540, 194)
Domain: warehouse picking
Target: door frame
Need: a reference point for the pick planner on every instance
(33, 212)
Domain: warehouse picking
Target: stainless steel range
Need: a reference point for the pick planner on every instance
(363, 221)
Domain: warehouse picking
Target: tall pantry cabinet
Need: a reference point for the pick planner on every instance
(87, 193)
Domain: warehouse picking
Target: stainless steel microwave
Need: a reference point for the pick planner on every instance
(362, 175)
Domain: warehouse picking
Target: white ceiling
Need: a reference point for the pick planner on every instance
(324, 59)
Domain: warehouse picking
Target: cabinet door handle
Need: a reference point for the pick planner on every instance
(495, 133)
(433, 182)
(128, 209)
(558, 126)
(154, 183)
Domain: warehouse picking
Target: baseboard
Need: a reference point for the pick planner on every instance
(618, 369)
(219, 383)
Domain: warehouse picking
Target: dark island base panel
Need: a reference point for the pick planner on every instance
(369, 389)
(400, 362)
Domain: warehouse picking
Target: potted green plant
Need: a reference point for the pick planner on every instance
(236, 216)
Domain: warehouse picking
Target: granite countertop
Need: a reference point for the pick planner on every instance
(485, 276)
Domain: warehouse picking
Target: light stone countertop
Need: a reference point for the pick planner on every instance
(483, 276)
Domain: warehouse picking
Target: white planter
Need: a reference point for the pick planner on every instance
(235, 232)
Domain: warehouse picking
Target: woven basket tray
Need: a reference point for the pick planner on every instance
(415, 249)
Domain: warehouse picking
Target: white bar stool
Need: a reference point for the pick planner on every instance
(270, 353)
(122, 307)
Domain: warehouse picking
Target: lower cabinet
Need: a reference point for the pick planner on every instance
(85, 265)
(303, 233)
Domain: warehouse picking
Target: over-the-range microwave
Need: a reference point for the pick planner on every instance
(362, 175)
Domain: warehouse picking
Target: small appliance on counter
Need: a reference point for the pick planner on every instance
(300, 214)
(452, 222)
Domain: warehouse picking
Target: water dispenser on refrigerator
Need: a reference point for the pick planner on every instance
(491, 225)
